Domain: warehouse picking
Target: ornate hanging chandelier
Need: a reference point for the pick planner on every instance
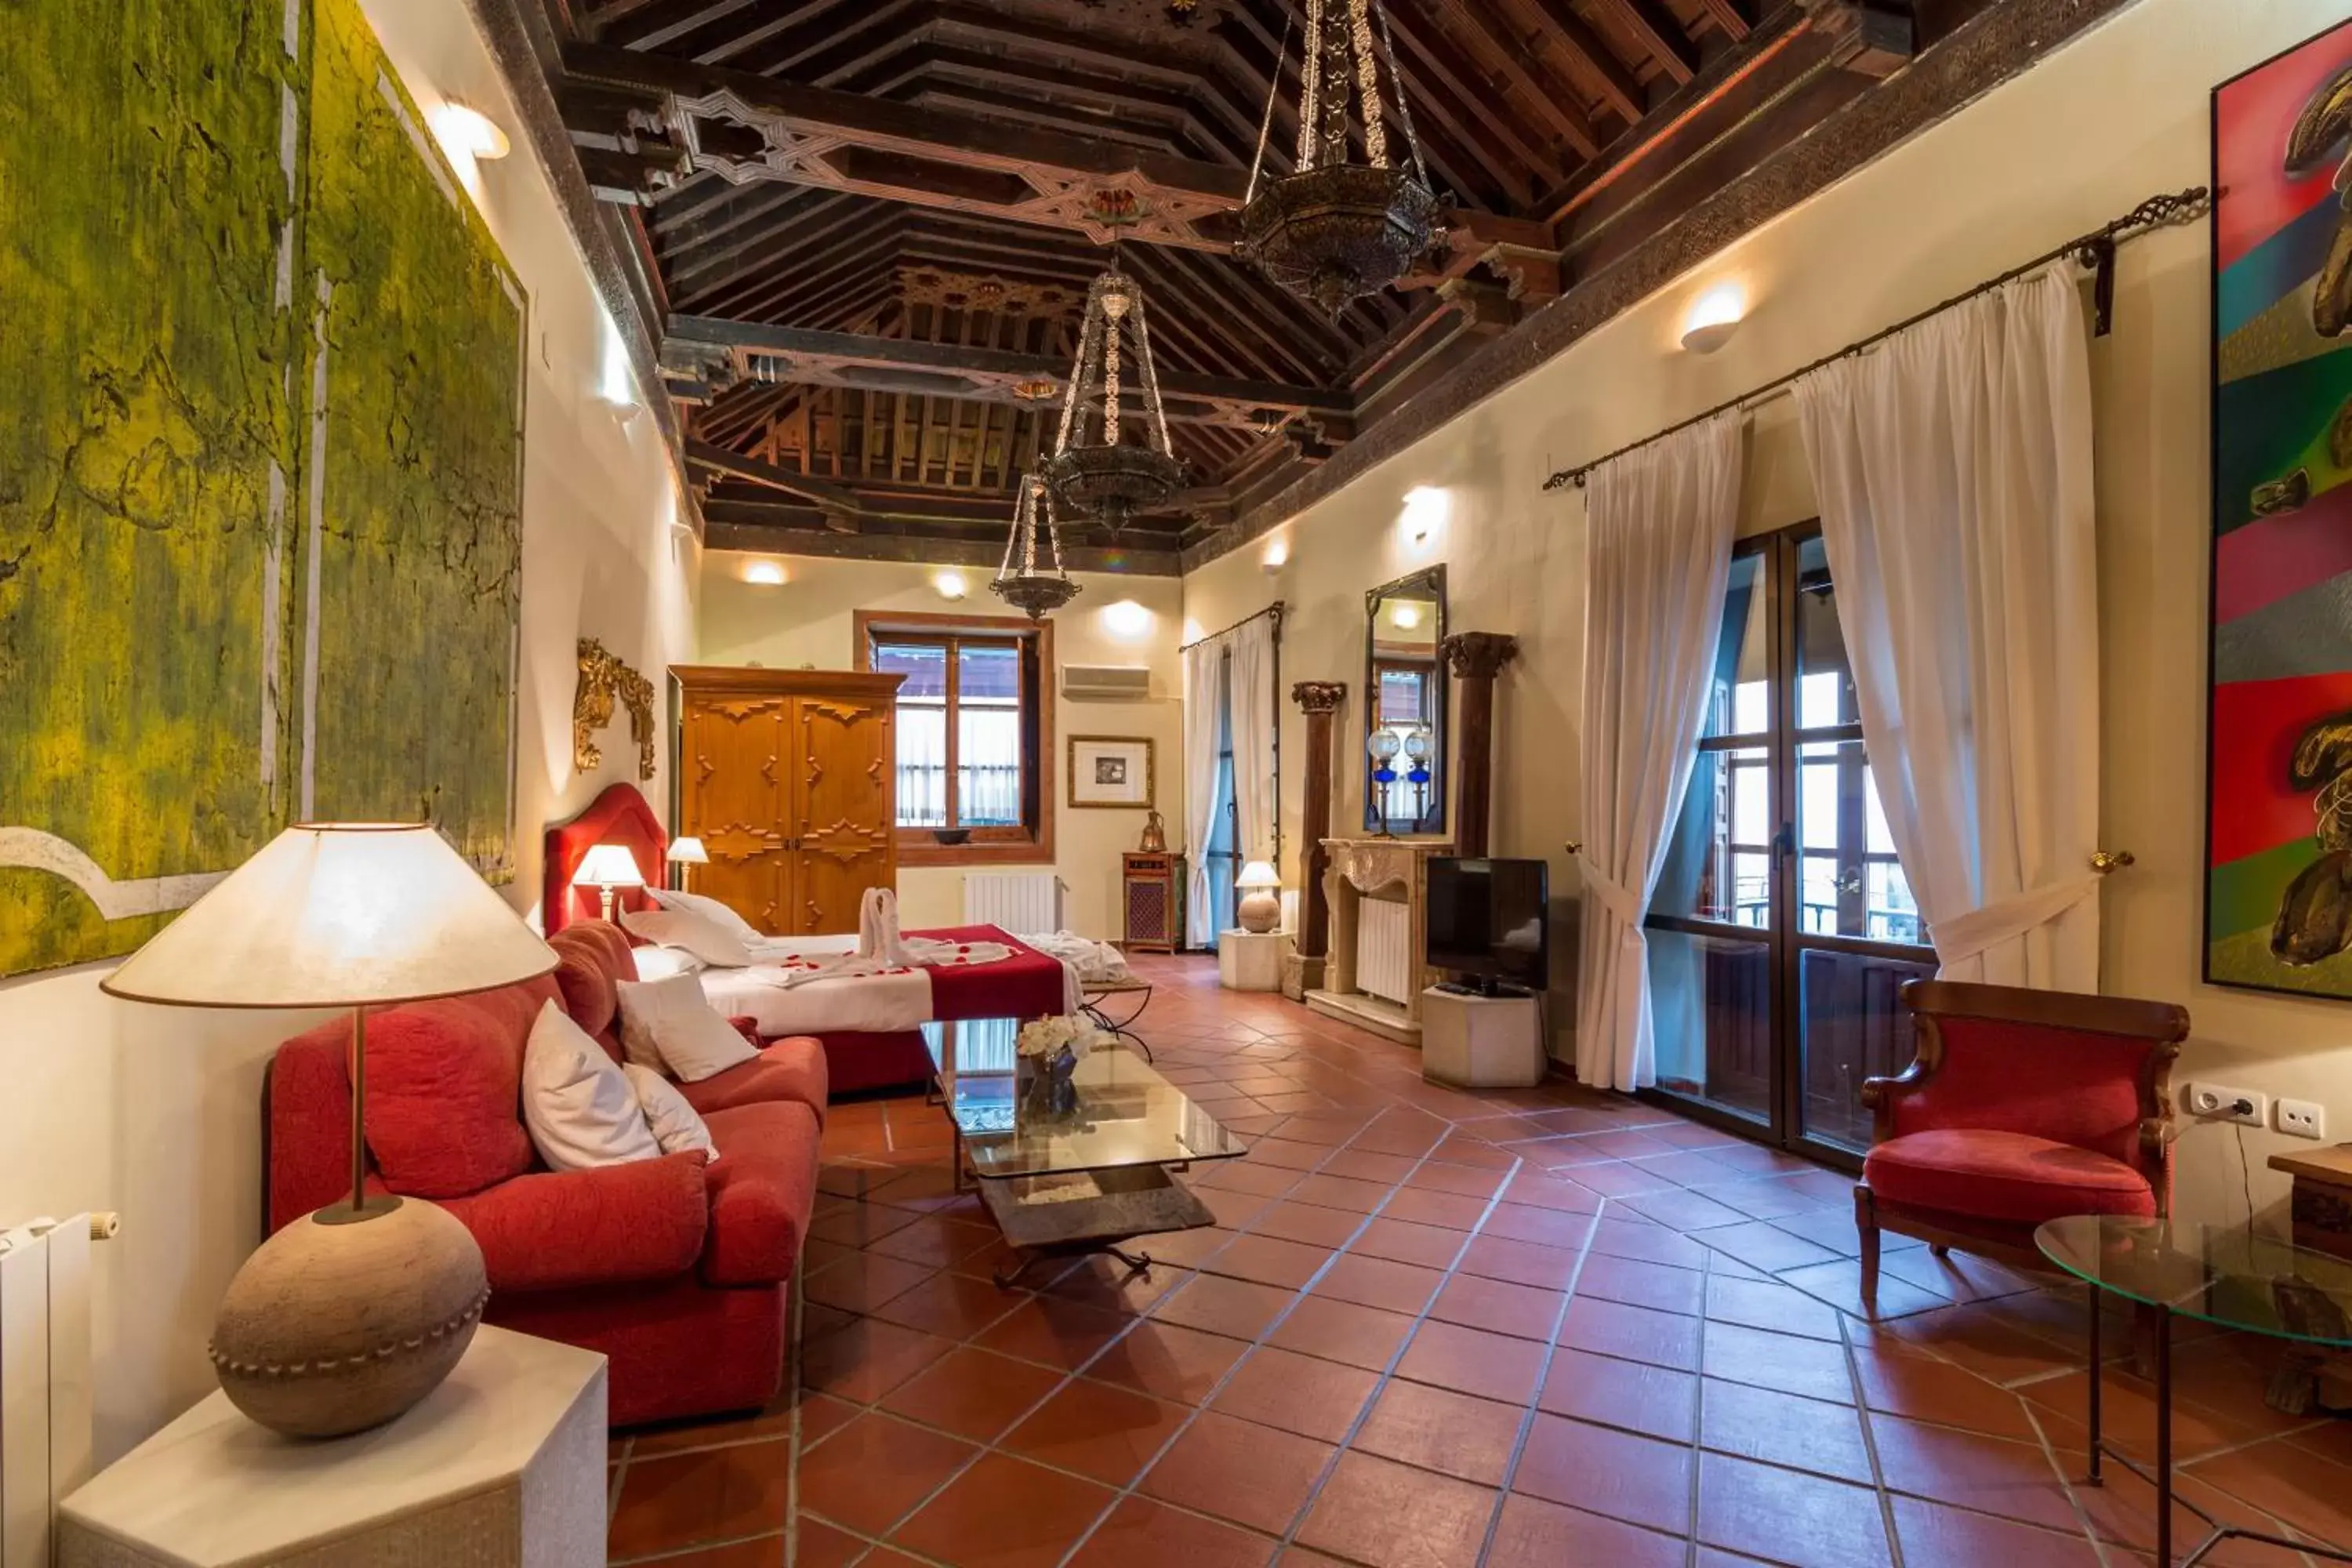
(1019, 582)
(1105, 479)
(1332, 230)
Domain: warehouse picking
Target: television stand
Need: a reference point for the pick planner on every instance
(1485, 987)
(1473, 1041)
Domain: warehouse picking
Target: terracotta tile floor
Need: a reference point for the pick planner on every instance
(1541, 1329)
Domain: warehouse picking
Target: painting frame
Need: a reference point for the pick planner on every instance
(1112, 773)
(2277, 877)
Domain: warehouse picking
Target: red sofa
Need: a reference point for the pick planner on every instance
(674, 1269)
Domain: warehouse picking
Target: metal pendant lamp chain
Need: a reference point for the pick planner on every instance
(1333, 229)
(1107, 479)
(1027, 588)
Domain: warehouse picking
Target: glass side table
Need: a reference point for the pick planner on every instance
(2228, 1276)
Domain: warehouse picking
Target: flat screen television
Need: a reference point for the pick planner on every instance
(1489, 922)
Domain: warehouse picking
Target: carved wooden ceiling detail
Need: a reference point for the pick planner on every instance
(870, 225)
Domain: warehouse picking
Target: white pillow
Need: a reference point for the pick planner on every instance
(581, 1110)
(676, 1125)
(661, 962)
(678, 927)
(719, 914)
(670, 1026)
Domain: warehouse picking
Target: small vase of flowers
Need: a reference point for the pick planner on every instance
(1048, 1052)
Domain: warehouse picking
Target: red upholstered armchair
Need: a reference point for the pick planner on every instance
(2021, 1107)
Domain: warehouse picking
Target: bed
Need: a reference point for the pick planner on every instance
(841, 1014)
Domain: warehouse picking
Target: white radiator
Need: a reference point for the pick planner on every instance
(1384, 958)
(1026, 903)
(46, 1400)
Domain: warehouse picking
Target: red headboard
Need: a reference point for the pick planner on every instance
(619, 815)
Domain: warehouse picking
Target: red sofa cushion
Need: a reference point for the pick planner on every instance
(791, 1070)
(550, 1230)
(2011, 1176)
(445, 1090)
(595, 959)
(762, 1188)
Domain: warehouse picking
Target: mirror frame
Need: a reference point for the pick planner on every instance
(1432, 822)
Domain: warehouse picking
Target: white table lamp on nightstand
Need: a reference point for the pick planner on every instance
(683, 852)
(1260, 906)
(607, 867)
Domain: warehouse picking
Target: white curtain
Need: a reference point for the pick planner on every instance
(1954, 469)
(1251, 693)
(1204, 681)
(1661, 522)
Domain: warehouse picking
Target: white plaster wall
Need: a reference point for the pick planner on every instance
(2119, 115)
(807, 622)
(155, 1111)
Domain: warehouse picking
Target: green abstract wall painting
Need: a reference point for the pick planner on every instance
(258, 559)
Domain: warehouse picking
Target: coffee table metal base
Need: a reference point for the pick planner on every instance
(2160, 1477)
(1088, 1214)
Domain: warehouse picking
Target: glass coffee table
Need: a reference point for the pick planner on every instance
(2228, 1276)
(1084, 1181)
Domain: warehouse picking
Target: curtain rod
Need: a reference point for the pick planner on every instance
(2095, 251)
(1277, 610)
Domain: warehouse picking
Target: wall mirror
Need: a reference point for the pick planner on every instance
(1405, 716)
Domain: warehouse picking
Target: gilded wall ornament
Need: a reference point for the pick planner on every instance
(604, 680)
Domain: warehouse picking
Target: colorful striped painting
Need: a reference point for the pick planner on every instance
(2278, 907)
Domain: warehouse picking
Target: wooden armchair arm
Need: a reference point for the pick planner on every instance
(1881, 1093)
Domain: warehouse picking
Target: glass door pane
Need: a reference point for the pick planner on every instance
(1711, 996)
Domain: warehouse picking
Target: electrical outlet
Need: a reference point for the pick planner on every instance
(2223, 1103)
(2303, 1118)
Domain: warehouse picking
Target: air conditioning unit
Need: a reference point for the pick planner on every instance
(1107, 682)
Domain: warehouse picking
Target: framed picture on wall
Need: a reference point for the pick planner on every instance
(2278, 872)
(1111, 772)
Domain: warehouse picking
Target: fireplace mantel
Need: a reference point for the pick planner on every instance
(1387, 870)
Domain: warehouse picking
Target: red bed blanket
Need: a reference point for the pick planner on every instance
(1029, 984)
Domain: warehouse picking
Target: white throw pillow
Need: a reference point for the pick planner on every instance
(719, 914)
(670, 1026)
(682, 929)
(661, 962)
(676, 1125)
(581, 1110)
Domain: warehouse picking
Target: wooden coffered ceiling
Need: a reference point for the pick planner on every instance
(868, 228)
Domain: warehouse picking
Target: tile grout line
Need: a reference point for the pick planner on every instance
(1862, 1414)
(1543, 1372)
(1299, 1295)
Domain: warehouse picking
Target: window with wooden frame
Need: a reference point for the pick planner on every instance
(974, 724)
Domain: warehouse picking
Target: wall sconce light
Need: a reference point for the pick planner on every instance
(1277, 554)
(949, 585)
(1425, 507)
(1406, 616)
(1126, 618)
(462, 129)
(766, 573)
(1714, 317)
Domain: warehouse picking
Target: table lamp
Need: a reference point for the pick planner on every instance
(1261, 908)
(607, 867)
(684, 852)
(349, 1316)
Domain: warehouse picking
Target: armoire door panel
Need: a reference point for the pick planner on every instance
(736, 795)
(843, 810)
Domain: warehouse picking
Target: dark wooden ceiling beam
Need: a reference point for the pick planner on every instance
(779, 531)
(1734, 19)
(1440, 73)
(843, 350)
(1620, 89)
(1551, 100)
(840, 508)
(1652, 26)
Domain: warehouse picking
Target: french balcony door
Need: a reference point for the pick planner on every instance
(1782, 929)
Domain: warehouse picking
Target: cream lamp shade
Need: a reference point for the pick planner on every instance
(338, 915)
(1260, 911)
(349, 1316)
(610, 866)
(687, 851)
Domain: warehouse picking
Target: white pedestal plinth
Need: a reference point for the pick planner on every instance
(500, 1467)
(1249, 962)
(1481, 1042)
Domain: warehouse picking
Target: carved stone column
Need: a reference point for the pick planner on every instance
(1475, 659)
(1319, 699)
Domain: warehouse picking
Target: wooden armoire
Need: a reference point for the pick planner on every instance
(790, 779)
